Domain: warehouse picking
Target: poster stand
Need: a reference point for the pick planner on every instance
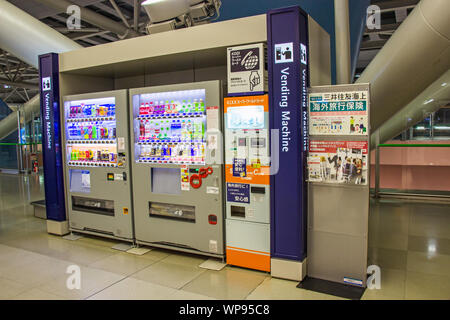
(338, 174)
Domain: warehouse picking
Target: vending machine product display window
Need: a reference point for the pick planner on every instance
(170, 127)
(90, 128)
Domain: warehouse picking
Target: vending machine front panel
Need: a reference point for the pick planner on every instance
(96, 152)
(247, 175)
(178, 166)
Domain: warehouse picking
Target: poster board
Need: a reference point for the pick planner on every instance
(338, 170)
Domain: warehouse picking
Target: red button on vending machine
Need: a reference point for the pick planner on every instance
(212, 219)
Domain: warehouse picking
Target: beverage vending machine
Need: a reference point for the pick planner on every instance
(97, 168)
(247, 175)
(177, 166)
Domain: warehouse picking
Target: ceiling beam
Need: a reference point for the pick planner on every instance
(93, 18)
(119, 12)
(109, 10)
(18, 84)
(136, 14)
(395, 4)
(370, 45)
(384, 28)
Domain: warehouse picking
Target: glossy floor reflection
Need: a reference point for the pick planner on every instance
(409, 241)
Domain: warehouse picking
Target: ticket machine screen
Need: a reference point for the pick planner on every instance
(248, 117)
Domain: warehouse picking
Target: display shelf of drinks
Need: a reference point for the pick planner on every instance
(92, 157)
(87, 142)
(173, 153)
(91, 119)
(91, 112)
(88, 163)
(161, 109)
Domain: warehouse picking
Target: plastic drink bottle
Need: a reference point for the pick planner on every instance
(189, 130)
(196, 106)
(168, 130)
(94, 131)
(147, 130)
(183, 131)
(167, 108)
(141, 130)
(157, 130)
(151, 108)
(202, 106)
(152, 130)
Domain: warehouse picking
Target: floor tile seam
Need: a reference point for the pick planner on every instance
(196, 277)
(428, 274)
(259, 284)
(107, 287)
(125, 277)
(20, 283)
(129, 275)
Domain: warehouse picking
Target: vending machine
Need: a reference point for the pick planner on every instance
(97, 167)
(247, 175)
(178, 166)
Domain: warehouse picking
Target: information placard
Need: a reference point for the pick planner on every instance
(238, 192)
(338, 113)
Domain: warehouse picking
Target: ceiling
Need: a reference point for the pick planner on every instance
(393, 13)
(19, 81)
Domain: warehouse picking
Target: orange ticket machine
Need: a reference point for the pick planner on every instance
(247, 175)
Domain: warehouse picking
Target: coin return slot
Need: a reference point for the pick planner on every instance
(96, 206)
(238, 211)
(172, 211)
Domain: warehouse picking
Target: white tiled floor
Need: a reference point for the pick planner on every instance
(409, 241)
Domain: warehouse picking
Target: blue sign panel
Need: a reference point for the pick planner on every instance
(288, 81)
(238, 192)
(239, 167)
(51, 137)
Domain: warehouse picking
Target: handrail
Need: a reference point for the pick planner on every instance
(18, 144)
(414, 145)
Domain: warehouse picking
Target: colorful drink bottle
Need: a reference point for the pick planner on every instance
(141, 130)
(94, 131)
(151, 108)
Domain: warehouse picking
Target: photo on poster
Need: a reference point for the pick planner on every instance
(338, 162)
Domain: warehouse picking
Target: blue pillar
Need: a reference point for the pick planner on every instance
(287, 44)
(51, 137)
